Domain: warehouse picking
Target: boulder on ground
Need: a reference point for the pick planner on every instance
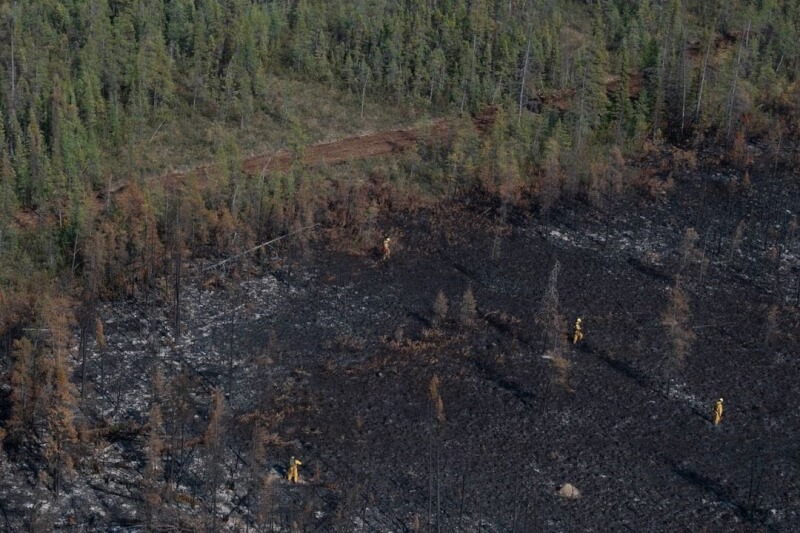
(568, 491)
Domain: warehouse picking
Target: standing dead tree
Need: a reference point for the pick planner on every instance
(214, 448)
(440, 309)
(468, 310)
(732, 99)
(87, 319)
(236, 300)
(709, 41)
(434, 452)
(676, 319)
(152, 484)
(549, 309)
(553, 324)
(524, 76)
(690, 255)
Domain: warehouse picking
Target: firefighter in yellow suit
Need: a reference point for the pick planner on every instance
(293, 474)
(385, 250)
(578, 336)
(718, 412)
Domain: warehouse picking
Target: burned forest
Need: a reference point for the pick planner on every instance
(468, 266)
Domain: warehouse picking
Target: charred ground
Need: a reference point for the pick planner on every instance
(329, 356)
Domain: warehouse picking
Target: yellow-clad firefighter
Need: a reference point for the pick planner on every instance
(385, 250)
(718, 412)
(293, 474)
(578, 336)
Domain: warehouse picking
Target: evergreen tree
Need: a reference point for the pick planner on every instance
(8, 182)
(23, 387)
(41, 184)
(61, 436)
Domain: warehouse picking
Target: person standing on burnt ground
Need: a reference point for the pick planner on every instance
(386, 251)
(578, 335)
(718, 412)
(293, 475)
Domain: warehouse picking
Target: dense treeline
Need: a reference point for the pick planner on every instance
(82, 80)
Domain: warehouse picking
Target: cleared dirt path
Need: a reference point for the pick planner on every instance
(343, 150)
(339, 151)
(362, 146)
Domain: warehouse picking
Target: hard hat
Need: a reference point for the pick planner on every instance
(579, 319)
(720, 399)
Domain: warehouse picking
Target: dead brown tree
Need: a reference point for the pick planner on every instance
(440, 309)
(467, 311)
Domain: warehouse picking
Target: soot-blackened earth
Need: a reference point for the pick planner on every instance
(337, 352)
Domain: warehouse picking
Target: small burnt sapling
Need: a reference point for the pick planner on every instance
(467, 311)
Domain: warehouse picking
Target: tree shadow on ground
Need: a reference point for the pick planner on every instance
(748, 511)
(490, 373)
(622, 367)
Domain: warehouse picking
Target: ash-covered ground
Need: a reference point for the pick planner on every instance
(408, 423)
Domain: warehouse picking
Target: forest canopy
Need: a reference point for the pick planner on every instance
(84, 83)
